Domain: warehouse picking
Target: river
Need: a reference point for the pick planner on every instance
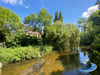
(52, 63)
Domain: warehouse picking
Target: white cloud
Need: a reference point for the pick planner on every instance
(15, 2)
(89, 11)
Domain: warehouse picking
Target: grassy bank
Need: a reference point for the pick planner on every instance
(8, 55)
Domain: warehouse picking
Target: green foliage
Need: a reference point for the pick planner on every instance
(9, 22)
(94, 26)
(95, 18)
(22, 40)
(89, 28)
(96, 43)
(74, 35)
(31, 20)
(60, 17)
(8, 55)
(2, 37)
(82, 24)
(95, 57)
(62, 36)
(56, 16)
(44, 17)
(39, 21)
(86, 38)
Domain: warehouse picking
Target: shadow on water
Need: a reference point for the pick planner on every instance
(95, 58)
(70, 63)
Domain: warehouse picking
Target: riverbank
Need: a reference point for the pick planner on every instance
(11, 55)
(52, 63)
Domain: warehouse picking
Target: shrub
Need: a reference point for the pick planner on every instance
(62, 36)
(8, 55)
(96, 43)
(22, 40)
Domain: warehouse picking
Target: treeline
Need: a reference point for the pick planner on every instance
(58, 34)
(17, 46)
(90, 35)
(90, 30)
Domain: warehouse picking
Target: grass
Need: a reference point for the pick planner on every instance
(9, 55)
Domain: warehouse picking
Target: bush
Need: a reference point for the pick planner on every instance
(62, 36)
(22, 40)
(8, 55)
(95, 57)
(96, 43)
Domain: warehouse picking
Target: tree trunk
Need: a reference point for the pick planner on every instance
(44, 37)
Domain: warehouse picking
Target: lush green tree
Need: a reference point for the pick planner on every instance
(9, 22)
(86, 31)
(44, 19)
(83, 24)
(94, 24)
(96, 43)
(31, 20)
(56, 16)
(63, 36)
(39, 21)
(95, 18)
(58, 35)
(60, 16)
(74, 35)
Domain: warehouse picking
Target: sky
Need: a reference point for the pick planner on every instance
(71, 9)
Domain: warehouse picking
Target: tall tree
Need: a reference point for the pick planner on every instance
(56, 16)
(44, 19)
(63, 36)
(31, 20)
(94, 19)
(9, 22)
(60, 16)
(83, 24)
(39, 21)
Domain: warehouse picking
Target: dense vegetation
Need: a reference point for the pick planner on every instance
(60, 17)
(63, 36)
(90, 34)
(9, 23)
(8, 55)
(16, 45)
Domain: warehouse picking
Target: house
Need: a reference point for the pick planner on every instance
(28, 30)
(36, 33)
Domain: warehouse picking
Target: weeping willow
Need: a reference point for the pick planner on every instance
(63, 36)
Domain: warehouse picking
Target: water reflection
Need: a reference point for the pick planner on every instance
(54, 64)
(70, 62)
(95, 58)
